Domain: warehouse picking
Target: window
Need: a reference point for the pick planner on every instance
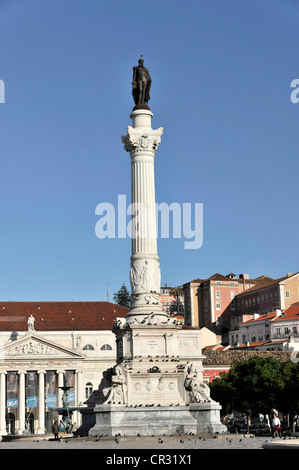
(218, 305)
(257, 300)
(88, 389)
(260, 336)
(217, 294)
(266, 297)
(232, 294)
(287, 294)
(88, 347)
(294, 330)
(253, 301)
(277, 331)
(249, 302)
(262, 298)
(106, 347)
(244, 339)
(271, 296)
(286, 331)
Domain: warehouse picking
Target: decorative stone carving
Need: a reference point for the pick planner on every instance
(154, 370)
(198, 390)
(161, 384)
(149, 385)
(142, 140)
(145, 277)
(32, 347)
(116, 394)
(30, 323)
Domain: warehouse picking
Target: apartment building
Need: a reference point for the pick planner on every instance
(170, 304)
(273, 330)
(211, 302)
(221, 303)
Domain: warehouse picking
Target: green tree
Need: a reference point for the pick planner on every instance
(289, 399)
(122, 296)
(254, 385)
(177, 292)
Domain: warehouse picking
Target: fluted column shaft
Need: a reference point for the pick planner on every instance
(141, 142)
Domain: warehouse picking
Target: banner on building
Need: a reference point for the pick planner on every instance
(12, 390)
(31, 390)
(70, 381)
(51, 397)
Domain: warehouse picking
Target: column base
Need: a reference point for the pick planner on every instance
(111, 420)
(40, 431)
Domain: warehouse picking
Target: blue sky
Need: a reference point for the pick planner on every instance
(221, 73)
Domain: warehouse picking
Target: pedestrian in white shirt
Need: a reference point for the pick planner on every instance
(276, 426)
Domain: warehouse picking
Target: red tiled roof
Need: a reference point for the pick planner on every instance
(290, 313)
(59, 315)
(220, 277)
(252, 345)
(262, 283)
(266, 316)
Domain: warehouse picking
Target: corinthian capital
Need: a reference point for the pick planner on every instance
(142, 140)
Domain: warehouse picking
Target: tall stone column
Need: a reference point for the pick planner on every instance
(79, 395)
(41, 402)
(59, 384)
(141, 142)
(2, 403)
(22, 398)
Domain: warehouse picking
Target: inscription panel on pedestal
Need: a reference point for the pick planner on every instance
(153, 345)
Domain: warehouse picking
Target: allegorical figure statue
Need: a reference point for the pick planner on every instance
(141, 84)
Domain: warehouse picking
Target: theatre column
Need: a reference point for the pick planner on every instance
(41, 402)
(2, 403)
(22, 399)
(79, 395)
(60, 375)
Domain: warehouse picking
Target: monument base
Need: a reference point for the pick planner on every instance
(112, 420)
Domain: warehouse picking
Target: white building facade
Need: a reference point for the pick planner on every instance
(38, 352)
(42, 344)
(281, 327)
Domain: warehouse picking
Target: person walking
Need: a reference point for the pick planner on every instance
(276, 426)
(74, 429)
(55, 429)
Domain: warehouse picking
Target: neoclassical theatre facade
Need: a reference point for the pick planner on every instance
(44, 344)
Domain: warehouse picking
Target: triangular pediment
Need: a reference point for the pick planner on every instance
(33, 346)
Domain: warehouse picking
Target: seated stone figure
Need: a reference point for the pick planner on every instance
(198, 390)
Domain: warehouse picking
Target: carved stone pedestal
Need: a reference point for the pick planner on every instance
(151, 390)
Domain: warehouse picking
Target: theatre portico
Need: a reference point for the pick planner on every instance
(41, 343)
